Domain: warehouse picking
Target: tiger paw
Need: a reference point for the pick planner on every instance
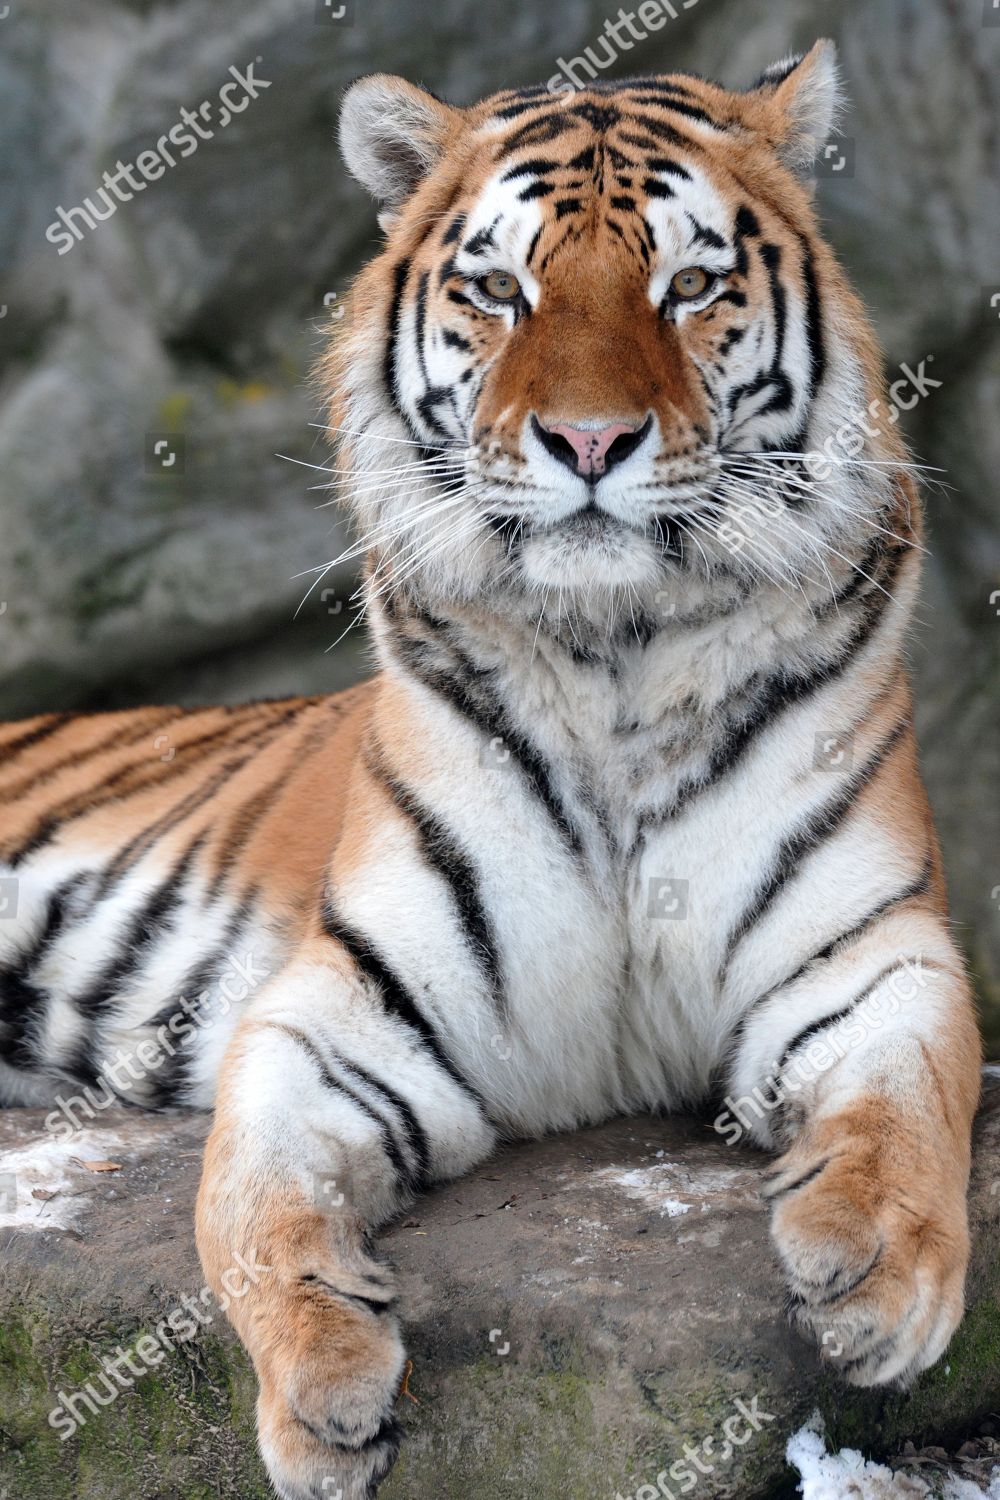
(875, 1248)
(319, 1325)
(330, 1363)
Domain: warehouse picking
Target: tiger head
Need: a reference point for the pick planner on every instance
(600, 335)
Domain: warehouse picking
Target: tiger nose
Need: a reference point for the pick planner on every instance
(591, 451)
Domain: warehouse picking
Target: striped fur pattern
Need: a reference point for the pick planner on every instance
(631, 817)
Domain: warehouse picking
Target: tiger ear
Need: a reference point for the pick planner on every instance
(391, 135)
(802, 98)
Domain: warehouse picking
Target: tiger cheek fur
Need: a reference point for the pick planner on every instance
(581, 848)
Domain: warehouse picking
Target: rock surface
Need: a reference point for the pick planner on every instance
(193, 314)
(577, 1310)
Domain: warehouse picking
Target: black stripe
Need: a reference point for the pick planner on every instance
(134, 778)
(536, 190)
(117, 739)
(835, 948)
(394, 993)
(846, 1288)
(264, 726)
(455, 340)
(572, 234)
(705, 236)
(399, 278)
(533, 166)
(432, 395)
(483, 239)
(745, 227)
(420, 323)
(20, 1000)
(873, 1356)
(869, 577)
(547, 128)
(33, 736)
(172, 1076)
(143, 931)
(817, 828)
(653, 83)
(801, 1038)
(416, 1135)
(916, 887)
(600, 117)
(458, 871)
(643, 142)
(468, 694)
(776, 74)
(245, 821)
(783, 395)
(453, 233)
(665, 166)
(335, 1291)
(337, 1085)
(679, 107)
(511, 111)
(776, 696)
(663, 132)
(141, 843)
(808, 1176)
(814, 319)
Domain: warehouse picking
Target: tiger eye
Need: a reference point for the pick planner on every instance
(690, 282)
(501, 286)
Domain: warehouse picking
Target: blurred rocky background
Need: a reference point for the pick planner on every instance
(149, 377)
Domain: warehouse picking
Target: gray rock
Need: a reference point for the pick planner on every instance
(195, 312)
(578, 1309)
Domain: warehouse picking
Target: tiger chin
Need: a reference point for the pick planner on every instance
(631, 815)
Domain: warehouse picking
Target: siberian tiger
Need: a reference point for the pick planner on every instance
(631, 816)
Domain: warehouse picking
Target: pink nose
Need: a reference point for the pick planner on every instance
(590, 444)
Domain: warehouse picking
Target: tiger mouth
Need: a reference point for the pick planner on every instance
(590, 520)
(593, 521)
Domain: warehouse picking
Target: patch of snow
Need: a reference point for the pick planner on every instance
(643, 1182)
(848, 1475)
(661, 1184)
(673, 1207)
(45, 1164)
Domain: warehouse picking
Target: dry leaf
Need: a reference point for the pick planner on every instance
(44, 1195)
(98, 1166)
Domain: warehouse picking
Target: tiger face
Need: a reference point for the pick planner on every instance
(602, 333)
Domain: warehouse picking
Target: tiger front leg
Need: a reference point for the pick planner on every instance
(873, 1099)
(331, 1114)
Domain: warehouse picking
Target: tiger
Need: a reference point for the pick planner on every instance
(630, 817)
